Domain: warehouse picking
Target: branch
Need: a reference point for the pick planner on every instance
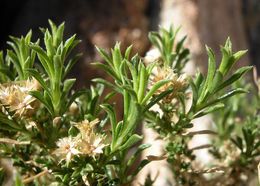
(11, 141)
(201, 147)
(199, 132)
(30, 179)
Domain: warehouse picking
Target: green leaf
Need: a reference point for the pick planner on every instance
(68, 83)
(232, 93)
(155, 39)
(238, 142)
(211, 67)
(107, 69)
(130, 142)
(155, 87)
(239, 54)
(216, 81)
(8, 124)
(225, 96)
(223, 68)
(105, 56)
(143, 80)
(39, 78)
(180, 44)
(210, 76)
(13, 58)
(68, 46)
(44, 59)
(237, 75)
(108, 84)
(157, 98)
(58, 65)
(140, 166)
(118, 130)
(41, 98)
(111, 113)
(128, 51)
(72, 99)
(194, 93)
(209, 109)
(70, 64)
(141, 148)
(117, 57)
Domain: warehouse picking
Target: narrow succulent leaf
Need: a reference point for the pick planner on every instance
(237, 75)
(157, 98)
(140, 149)
(142, 164)
(218, 79)
(238, 142)
(117, 57)
(154, 88)
(210, 75)
(70, 64)
(128, 52)
(209, 109)
(118, 130)
(44, 59)
(68, 83)
(13, 58)
(73, 97)
(107, 69)
(225, 96)
(41, 98)
(223, 68)
(232, 93)
(142, 83)
(111, 113)
(6, 123)
(238, 55)
(105, 56)
(107, 83)
(130, 142)
(39, 78)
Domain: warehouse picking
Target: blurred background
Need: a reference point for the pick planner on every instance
(103, 22)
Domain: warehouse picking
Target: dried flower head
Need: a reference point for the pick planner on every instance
(67, 148)
(178, 83)
(90, 143)
(85, 127)
(230, 153)
(15, 96)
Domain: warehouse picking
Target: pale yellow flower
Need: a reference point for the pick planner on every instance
(178, 83)
(87, 142)
(229, 152)
(85, 127)
(15, 96)
(90, 143)
(67, 148)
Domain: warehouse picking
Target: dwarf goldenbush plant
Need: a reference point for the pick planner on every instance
(54, 135)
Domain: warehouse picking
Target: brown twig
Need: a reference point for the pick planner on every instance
(210, 170)
(11, 141)
(30, 179)
(199, 132)
(201, 147)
